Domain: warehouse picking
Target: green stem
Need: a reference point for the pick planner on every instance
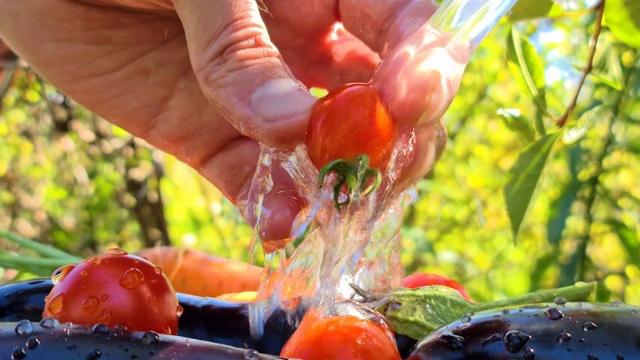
(44, 250)
(577, 292)
(17, 262)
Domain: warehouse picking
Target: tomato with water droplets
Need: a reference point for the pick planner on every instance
(114, 288)
(340, 337)
(351, 133)
(350, 121)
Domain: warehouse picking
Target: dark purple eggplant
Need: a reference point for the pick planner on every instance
(49, 340)
(23, 300)
(206, 319)
(587, 331)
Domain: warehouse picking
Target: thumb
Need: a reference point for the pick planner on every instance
(241, 71)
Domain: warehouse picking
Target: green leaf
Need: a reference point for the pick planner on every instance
(607, 68)
(623, 19)
(534, 9)
(524, 177)
(514, 120)
(574, 133)
(417, 312)
(526, 65)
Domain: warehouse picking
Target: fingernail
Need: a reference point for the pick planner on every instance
(280, 98)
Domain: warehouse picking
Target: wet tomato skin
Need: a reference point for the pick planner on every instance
(350, 121)
(114, 288)
(340, 337)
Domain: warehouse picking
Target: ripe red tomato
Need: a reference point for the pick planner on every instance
(114, 288)
(426, 279)
(350, 121)
(340, 337)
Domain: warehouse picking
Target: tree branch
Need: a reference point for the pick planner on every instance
(599, 8)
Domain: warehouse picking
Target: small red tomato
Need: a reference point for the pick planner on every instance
(351, 121)
(114, 288)
(426, 279)
(340, 337)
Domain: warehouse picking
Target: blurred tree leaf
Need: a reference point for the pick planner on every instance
(524, 177)
(628, 239)
(575, 132)
(534, 9)
(514, 120)
(607, 68)
(623, 18)
(526, 66)
(561, 208)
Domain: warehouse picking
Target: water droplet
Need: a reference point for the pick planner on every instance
(616, 303)
(60, 273)
(465, 318)
(179, 310)
(131, 278)
(528, 353)
(90, 304)
(634, 311)
(251, 355)
(119, 328)
(94, 260)
(452, 341)
(56, 303)
(515, 340)
(18, 353)
(560, 301)
(84, 273)
(105, 317)
(592, 357)
(491, 339)
(49, 323)
(167, 330)
(24, 327)
(149, 338)
(589, 326)
(100, 329)
(554, 314)
(505, 311)
(116, 251)
(32, 343)
(94, 354)
(564, 337)
(104, 297)
(157, 270)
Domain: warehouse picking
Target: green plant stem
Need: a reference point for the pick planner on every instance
(43, 250)
(17, 262)
(577, 292)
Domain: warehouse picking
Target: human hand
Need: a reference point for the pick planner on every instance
(207, 80)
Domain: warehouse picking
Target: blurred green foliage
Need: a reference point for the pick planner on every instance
(530, 193)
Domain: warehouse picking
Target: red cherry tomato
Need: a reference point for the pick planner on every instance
(351, 121)
(426, 279)
(114, 288)
(340, 338)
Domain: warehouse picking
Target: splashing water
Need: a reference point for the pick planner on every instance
(360, 244)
